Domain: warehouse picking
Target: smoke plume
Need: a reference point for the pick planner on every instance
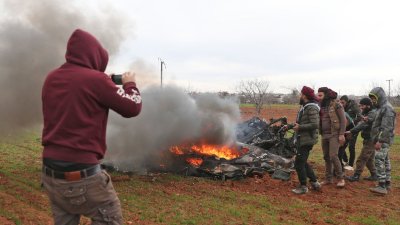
(170, 117)
(33, 42)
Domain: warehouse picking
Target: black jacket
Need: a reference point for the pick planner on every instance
(365, 126)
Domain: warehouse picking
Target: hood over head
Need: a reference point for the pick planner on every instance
(380, 94)
(85, 50)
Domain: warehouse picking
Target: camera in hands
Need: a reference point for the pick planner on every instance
(117, 79)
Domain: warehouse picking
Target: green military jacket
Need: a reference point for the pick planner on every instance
(308, 120)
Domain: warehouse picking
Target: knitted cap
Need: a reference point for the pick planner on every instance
(308, 92)
(366, 101)
(344, 98)
(332, 94)
(323, 89)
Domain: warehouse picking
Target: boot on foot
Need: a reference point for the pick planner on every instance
(355, 177)
(380, 189)
(301, 189)
(316, 186)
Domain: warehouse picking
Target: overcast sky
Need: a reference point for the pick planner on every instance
(212, 45)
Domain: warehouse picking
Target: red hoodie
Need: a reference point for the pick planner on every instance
(76, 98)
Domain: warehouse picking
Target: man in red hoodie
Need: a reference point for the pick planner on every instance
(76, 98)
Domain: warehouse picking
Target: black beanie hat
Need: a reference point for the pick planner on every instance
(366, 101)
(344, 98)
(323, 89)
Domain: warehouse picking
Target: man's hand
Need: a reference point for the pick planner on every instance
(296, 127)
(378, 146)
(348, 135)
(342, 140)
(128, 77)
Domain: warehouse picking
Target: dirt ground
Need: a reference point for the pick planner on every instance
(23, 200)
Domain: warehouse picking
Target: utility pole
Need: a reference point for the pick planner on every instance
(162, 65)
(390, 80)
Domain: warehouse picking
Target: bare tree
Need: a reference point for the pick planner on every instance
(293, 97)
(256, 91)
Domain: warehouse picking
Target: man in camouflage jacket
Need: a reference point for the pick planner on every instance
(382, 133)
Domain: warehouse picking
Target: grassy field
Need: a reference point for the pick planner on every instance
(172, 199)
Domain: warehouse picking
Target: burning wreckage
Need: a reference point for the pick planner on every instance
(262, 147)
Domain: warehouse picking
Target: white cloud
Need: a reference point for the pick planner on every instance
(211, 45)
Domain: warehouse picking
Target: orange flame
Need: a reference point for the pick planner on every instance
(176, 150)
(220, 152)
(194, 161)
(208, 150)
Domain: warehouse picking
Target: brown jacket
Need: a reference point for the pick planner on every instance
(333, 120)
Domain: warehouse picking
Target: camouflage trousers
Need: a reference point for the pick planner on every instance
(382, 164)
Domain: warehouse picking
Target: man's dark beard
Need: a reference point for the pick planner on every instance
(366, 110)
(301, 102)
(325, 101)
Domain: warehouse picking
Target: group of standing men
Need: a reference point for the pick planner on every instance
(339, 122)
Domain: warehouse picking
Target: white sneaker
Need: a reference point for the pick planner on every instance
(349, 168)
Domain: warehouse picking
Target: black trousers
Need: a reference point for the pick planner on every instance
(342, 153)
(352, 150)
(303, 169)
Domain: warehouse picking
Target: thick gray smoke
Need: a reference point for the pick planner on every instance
(170, 117)
(145, 73)
(33, 42)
